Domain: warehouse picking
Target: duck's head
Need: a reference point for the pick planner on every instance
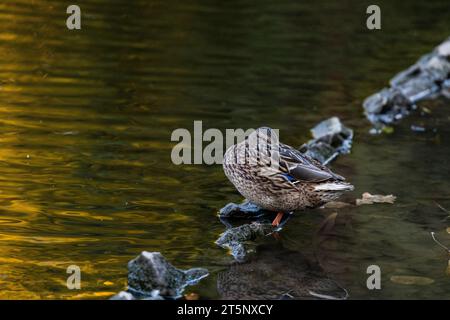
(263, 135)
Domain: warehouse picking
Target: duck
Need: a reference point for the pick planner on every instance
(277, 177)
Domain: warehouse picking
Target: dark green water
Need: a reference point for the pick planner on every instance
(86, 119)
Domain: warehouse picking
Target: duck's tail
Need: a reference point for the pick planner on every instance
(336, 186)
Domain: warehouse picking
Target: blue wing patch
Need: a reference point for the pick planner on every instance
(288, 177)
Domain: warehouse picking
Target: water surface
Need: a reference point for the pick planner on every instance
(86, 118)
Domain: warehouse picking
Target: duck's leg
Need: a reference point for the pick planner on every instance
(277, 219)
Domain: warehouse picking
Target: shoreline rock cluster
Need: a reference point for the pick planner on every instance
(428, 78)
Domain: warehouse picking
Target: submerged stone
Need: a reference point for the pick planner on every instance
(428, 78)
(235, 239)
(151, 276)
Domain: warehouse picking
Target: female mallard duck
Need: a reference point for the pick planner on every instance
(279, 178)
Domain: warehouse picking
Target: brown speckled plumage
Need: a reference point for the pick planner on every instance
(278, 177)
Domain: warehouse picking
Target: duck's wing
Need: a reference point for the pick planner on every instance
(302, 168)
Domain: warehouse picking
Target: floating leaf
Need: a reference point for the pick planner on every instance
(108, 283)
(336, 205)
(368, 198)
(412, 280)
(388, 130)
(426, 110)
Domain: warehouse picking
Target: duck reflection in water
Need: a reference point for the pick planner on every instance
(275, 272)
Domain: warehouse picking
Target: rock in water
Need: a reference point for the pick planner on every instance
(428, 78)
(150, 271)
(235, 238)
(329, 128)
(123, 295)
(243, 210)
(330, 139)
(151, 276)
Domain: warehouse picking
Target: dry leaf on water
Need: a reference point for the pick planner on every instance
(368, 198)
(412, 280)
